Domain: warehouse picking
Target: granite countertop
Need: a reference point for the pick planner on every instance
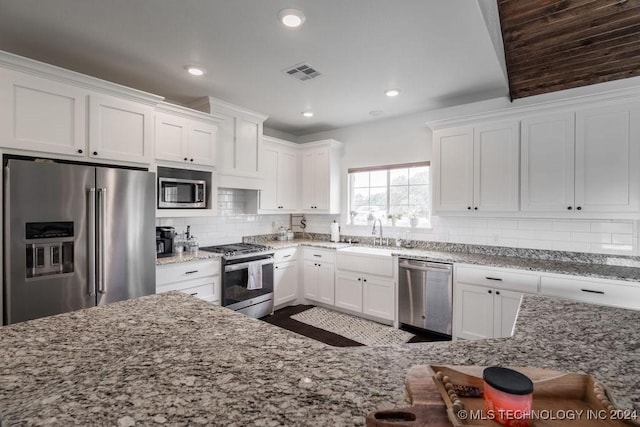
(186, 257)
(585, 269)
(176, 360)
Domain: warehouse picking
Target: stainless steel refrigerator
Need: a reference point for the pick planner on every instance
(76, 236)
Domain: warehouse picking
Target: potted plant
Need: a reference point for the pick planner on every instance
(394, 218)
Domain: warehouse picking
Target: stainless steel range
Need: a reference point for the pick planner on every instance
(247, 282)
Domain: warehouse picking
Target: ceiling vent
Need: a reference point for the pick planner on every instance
(302, 72)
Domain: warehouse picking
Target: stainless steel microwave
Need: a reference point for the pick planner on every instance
(177, 193)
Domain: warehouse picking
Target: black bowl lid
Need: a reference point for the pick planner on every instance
(507, 380)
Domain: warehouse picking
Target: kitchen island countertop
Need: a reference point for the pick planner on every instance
(176, 360)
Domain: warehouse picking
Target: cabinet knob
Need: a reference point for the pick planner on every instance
(569, 208)
(359, 279)
(469, 208)
(579, 208)
(364, 280)
(185, 159)
(276, 267)
(191, 160)
(497, 292)
(475, 209)
(95, 153)
(489, 291)
(80, 150)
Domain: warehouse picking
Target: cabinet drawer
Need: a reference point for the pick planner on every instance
(314, 254)
(286, 254)
(597, 292)
(204, 288)
(366, 265)
(166, 274)
(498, 278)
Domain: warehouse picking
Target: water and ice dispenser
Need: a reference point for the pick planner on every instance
(49, 247)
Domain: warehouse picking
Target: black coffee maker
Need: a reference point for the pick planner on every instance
(164, 241)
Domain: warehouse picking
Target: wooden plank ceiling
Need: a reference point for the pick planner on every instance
(552, 45)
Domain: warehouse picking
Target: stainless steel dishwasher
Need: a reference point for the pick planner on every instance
(425, 295)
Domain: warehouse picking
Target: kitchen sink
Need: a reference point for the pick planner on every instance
(365, 250)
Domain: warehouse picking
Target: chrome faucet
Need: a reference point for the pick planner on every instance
(374, 231)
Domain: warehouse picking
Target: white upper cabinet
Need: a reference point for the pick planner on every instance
(280, 171)
(185, 136)
(320, 169)
(42, 115)
(583, 162)
(120, 129)
(476, 168)
(45, 109)
(548, 163)
(239, 144)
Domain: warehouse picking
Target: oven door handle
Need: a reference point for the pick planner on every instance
(245, 265)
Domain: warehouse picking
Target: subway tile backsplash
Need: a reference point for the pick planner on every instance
(616, 237)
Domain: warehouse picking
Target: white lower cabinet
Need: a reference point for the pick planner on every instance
(364, 284)
(487, 300)
(285, 276)
(198, 278)
(614, 293)
(319, 275)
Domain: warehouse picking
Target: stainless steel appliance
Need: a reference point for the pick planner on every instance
(76, 236)
(178, 193)
(242, 262)
(425, 295)
(164, 241)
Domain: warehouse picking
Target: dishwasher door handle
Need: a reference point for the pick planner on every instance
(425, 267)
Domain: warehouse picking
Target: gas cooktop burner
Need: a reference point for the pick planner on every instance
(235, 249)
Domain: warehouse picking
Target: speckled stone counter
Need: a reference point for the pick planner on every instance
(175, 360)
(186, 257)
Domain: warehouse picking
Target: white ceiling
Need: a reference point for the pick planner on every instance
(438, 52)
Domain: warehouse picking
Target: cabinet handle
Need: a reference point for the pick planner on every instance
(194, 294)
(592, 291)
(489, 291)
(497, 279)
(287, 256)
(80, 151)
(579, 208)
(318, 256)
(95, 153)
(569, 208)
(191, 272)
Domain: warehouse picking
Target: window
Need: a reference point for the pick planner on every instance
(399, 195)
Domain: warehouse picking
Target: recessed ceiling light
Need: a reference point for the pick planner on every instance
(195, 71)
(307, 113)
(291, 18)
(392, 92)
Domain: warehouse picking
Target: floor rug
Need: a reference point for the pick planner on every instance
(360, 330)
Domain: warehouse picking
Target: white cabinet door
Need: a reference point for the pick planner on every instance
(321, 179)
(248, 135)
(473, 312)
(227, 144)
(548, 163)
(608, 159)
(42, 115)
(505, 311)
(269, 193)
(326, 282)
(348, 294)
(453, 169)
(287, 184)
(285, 282)
(496, 167)
(308, 180)
(171, 138)
(120, 130)
(377, 297)
(202, 143)
(310, 279)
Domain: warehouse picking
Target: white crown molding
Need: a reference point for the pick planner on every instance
(189, 113)
(52, 72)
(213, 104)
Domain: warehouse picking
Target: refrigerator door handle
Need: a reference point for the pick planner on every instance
(92, 242)
(102, 209)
